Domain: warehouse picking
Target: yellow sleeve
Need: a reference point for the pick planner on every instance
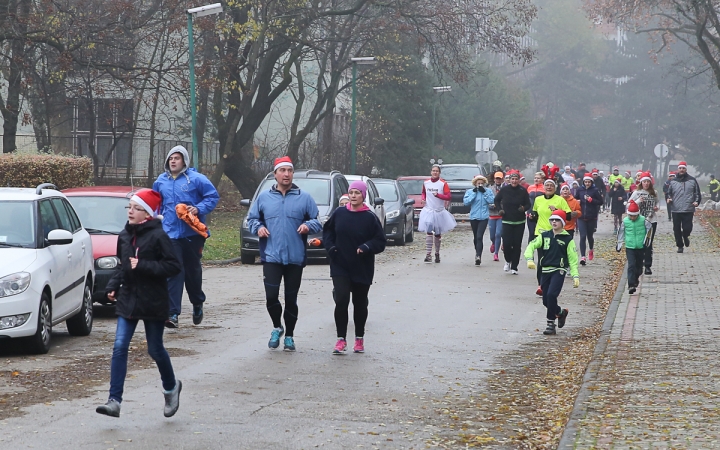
(573, 260)
(534, 245)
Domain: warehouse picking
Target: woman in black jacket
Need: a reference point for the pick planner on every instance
(590, 202)
(139, 286)
(352, 236)
(618, 197)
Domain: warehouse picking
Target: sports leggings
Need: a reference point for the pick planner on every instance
(272, 275)
(587, 230)
(343, 288)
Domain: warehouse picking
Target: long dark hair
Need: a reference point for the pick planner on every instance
(651, 189)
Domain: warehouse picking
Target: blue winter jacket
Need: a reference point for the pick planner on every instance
(282, 215)
(189, 187)
(479, 201)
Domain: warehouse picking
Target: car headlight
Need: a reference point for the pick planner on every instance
(323, 219)
(107, 262)
(14, 284)
(392, 214)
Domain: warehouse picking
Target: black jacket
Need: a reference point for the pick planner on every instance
(142, 293)
(617, 205)
(591, 208)
(511, 200)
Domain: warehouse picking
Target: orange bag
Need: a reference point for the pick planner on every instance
(181, 209)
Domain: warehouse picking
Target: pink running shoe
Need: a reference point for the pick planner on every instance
(359, 345)
(340, 347)
(492, 248)
(495, 258)
(591, 255)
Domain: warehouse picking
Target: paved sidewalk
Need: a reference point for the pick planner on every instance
(655, 379)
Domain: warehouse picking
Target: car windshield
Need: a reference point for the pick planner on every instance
(318, 188)
(412, 187)
(387, 191)
(17, 224)
(459, 173)
(100, 214)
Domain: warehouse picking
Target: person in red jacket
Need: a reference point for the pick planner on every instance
(434, 218)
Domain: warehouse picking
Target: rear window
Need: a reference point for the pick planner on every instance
(387, 191)
(412, 187)
(318, 188)
(459, 173)
(101, 214)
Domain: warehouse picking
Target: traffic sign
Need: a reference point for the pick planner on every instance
(661, 151)
(484, 144)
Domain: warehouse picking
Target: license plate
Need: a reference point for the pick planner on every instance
(457, 204)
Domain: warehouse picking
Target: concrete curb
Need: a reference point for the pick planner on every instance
(567, 441)
(220, 262)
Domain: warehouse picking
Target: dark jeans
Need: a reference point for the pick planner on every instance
(552, 284)
(587, 230)
(291, 274)
(649, 247)
(189, 252)
(512, 236)
(635, 265)
(669, 210)
(478, 229)
(531, 224)
(682, 226)
(118, 367)
(343, 288)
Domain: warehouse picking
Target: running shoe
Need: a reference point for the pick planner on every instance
(111, 408)
(632, 290)
(538, 291)
(275, 337)
(197, 314)
(562, 317)
(550, 328)
(437, 257)
(289, 344)
(428, 258)
(492, 248)
(648, 271)
(506, 268)
(686, 240)
(514, 272)
(583, 261)
(680, 249)
(340, 347)
(591, 255)
(172, 321)
(359, 346)
(495, 258)
(477, 260)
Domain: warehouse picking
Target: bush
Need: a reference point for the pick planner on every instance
(23, 170)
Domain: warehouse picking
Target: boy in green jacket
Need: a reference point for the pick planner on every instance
(558, 257)
(634, 233)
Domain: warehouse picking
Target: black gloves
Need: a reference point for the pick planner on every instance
(475, 189)
(480, 189)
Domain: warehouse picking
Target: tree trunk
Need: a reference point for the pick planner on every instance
(11, 109)
(327, 142)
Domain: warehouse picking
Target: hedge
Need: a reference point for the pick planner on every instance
(29, 170)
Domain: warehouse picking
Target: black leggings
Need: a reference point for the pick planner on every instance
(512, 236)
(587, 230)
(272, 275)
(478, 229)
(343, 288)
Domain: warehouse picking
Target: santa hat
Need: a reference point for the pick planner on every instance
(682, 164)
(344, 197)
(550, 181)
(633, 209)
(639, 172)
(672, 174)
(645, 176)
(514, 173)
(149, 200)
(616, 168)
(588, 176)
(285, 161)
(564, 186)
(559, 214)
(627, 172)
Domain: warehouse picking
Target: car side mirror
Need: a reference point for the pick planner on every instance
(379, 201)
(60, 237)
(410, 201)
(245, 202)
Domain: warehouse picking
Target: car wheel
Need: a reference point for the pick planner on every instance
(246, 259)
(81, 323)
(411, 236)
(39, 343)
(401, 241)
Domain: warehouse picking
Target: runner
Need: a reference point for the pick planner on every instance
(714, 188)
(567, 175)
(684, 194)
(434, 218)
(627, 181)
(581, 171)
(344, 200)
(281, 217)
(617, 208)
(533, 191)
(558, 257)
(600, 185)
(495, 222)
(666, 186)
(139, 286)
(634, 233)
(543, 208)
(513, 202)
(615, 176)
(352, 236)
(590, 202)
(479, 198)
(575, 209)
(646, 199)
(523, 183)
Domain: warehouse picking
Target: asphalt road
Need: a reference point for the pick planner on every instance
(431, 326)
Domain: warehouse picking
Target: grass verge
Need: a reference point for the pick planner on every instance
(224, 242)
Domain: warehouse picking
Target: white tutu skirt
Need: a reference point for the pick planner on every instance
(435, 221)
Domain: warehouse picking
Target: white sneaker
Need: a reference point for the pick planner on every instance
(514, 272)
(507, 267)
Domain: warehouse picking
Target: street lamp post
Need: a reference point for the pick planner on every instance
(439, 89)
(364, 60)
(215, 8)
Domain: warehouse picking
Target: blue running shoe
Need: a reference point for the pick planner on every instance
(275, 337)
(289, 344)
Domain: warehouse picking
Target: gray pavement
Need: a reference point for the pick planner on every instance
(655, 382)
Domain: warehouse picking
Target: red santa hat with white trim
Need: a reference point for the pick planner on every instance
(559, 214)
(682, 164)
(284, 161)
(588, 176)
(633, 209)
(645, 176)
(150, 201)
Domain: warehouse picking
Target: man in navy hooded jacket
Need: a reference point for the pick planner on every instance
(183, 184)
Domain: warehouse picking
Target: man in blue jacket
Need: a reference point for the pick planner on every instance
(282, 218)
(182, 184)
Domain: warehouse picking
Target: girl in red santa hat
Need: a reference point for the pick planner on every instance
(647, 200)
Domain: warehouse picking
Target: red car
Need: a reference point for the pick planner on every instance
(413, 186)
(102, 212)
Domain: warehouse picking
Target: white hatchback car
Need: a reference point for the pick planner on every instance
(46, 267)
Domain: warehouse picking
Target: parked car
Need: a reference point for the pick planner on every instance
(413, 186)
(326, 188)
(102, 212)
(398, 210)
(459, 179)
(372, 197)
(46, 267)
